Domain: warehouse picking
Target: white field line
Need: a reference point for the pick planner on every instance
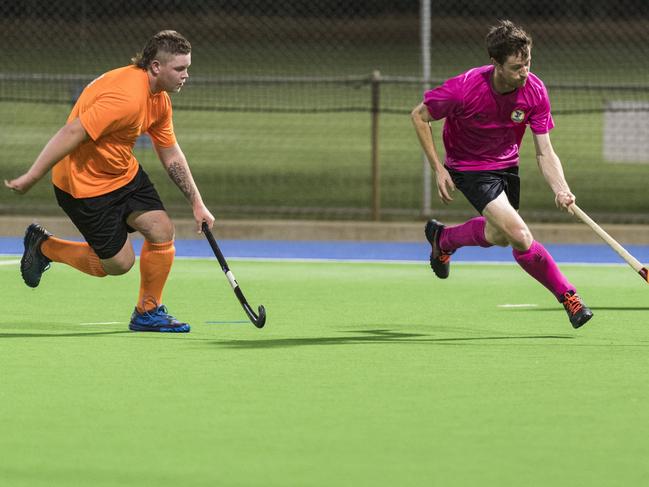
(522, 305)
(104, 323)
(9, 262)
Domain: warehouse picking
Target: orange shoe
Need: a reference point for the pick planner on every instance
(440, 261)
(577, 311)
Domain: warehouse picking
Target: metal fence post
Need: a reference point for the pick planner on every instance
(425, 25)
(376, 170)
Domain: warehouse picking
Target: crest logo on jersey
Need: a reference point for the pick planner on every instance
(518, 116)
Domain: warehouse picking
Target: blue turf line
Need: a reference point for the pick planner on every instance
(381, 251)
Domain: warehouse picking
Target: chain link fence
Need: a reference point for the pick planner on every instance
(301, 109)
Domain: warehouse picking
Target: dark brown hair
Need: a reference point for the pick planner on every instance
(167, 41)
(506, 39)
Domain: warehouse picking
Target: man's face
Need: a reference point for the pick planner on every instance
(171, 71)
(515, 70)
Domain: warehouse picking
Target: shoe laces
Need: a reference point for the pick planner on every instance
(572, 302)
(162, 310)
(158, 310)
(146, 302)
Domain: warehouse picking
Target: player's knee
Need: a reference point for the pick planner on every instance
(500, 239)
(117, 271)
(163, 232)
(118, 267)
(169, 232)
(496, 236)
(521, 238)
(121, 270)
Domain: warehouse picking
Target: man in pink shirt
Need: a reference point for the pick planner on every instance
(486, 111)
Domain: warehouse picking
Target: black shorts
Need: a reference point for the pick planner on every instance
(482, 187)
(102, 219)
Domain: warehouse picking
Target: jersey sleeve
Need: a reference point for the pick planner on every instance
(109, 112)
(162, 131)
(540, 119)
(444, 100)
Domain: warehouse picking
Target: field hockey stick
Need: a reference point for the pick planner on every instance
(635, 264)
(259, 320)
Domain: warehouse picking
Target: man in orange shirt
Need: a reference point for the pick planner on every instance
(102, 188)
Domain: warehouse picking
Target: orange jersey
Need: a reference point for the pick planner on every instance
(114, 110)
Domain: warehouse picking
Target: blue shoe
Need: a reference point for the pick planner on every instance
(157, 320)
(33, 262)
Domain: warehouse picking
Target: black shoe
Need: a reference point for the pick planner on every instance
(577, 311)
(34, 263)
(440, 261)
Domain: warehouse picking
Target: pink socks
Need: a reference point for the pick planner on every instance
(470, 233)
(536, 261)
(539, 264)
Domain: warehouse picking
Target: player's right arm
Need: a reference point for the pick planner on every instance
(421, 119)
(68, 138)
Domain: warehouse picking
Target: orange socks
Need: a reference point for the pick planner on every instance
(155, 265)
(76, 254)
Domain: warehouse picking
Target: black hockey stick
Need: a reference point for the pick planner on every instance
(259, 320)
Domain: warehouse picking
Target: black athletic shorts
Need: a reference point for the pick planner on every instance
(482, 187)
(102, 219)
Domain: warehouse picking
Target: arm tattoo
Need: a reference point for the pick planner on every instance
(179, 174)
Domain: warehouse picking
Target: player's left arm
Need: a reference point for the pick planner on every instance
(552, 170)
(174, 161)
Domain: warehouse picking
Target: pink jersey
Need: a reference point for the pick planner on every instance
(483, 129)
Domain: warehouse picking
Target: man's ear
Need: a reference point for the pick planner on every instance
(155, 67)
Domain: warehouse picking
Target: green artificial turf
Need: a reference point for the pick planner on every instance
(366, 374)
